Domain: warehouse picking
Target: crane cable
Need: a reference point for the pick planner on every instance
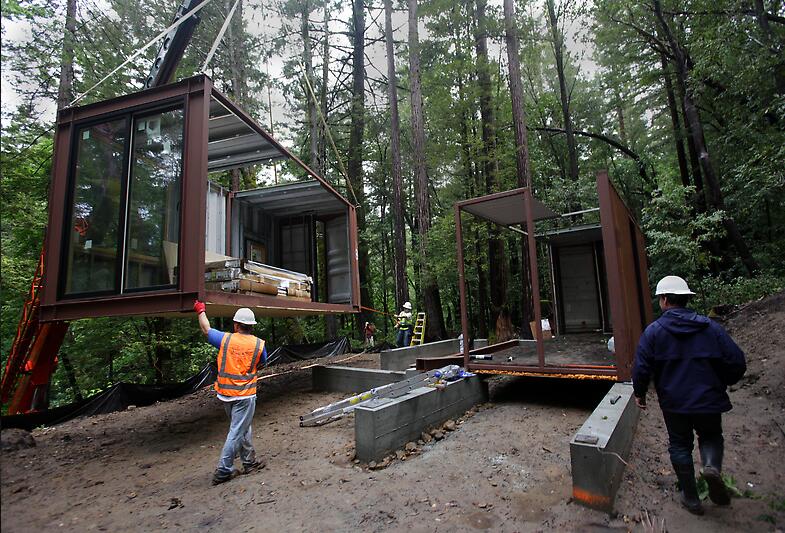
(327, 131)
(141, 50)
(219, 37)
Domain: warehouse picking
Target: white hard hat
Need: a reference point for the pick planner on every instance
(672, 285)
(407, 305)
(245, 316)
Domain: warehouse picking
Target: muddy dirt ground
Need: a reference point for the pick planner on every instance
(504, 468)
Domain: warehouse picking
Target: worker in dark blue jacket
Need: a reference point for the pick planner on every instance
(692, 361)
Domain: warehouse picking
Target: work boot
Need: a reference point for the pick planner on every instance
(222, 477)
(255, 464)
(711, 456)
(689, 489)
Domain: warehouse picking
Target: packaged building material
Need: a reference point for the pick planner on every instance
(239, 275)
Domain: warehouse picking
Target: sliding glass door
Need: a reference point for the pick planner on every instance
(124, 215)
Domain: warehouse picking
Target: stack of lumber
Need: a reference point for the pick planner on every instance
(249, 277)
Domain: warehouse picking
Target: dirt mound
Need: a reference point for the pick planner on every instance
(15, 439)
(759, 328)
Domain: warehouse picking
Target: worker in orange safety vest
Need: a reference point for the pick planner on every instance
(239, 355)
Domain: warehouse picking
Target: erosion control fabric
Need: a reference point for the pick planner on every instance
(300, 352)
(116, 398)
(120, 396)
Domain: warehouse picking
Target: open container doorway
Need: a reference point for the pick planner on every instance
(599, 280)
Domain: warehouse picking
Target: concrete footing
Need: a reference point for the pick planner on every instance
(403, 358)
(606, 434)
(353, 380)
(384, 425)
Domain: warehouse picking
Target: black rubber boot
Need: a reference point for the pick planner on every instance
(711, 455)
(689, 489)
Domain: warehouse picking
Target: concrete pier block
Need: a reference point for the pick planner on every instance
(352, 380)
(384, 425)
(608, 432)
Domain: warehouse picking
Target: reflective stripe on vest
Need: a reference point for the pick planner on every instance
(238, 358)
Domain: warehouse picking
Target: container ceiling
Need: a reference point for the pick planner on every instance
(232, 143)
(293, 199)
(575, 235)
(506, 209)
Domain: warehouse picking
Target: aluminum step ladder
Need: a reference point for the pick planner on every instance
(418, 336)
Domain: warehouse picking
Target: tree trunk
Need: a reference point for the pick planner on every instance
(399, 235)
(311, 113)
(70, 374)
(65, 91)
(330, 321)
(497, 262)
(564, 97)
(771, 40)
(521, 150)
(237, 72)
(675, 122)
(322, 164)
(481, 330)
(714, 196)
(354, 165)
(430, 289)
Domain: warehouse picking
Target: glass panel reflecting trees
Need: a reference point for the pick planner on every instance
(153, 219)
(92, 249)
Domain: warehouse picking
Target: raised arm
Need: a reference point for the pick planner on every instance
(204, 323)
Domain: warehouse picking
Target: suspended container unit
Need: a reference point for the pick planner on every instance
(137, 226)
(599, 280)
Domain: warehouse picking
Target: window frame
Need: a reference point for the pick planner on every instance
(179, 102)
(126, 229)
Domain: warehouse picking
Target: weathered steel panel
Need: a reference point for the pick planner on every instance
(627, 274)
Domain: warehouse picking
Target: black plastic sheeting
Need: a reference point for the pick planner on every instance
(300, 352)
(120, 396)
(116, 398)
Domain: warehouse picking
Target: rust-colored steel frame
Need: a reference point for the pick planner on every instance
(627, 276)
(195, 95)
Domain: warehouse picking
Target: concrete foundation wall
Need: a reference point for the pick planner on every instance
(403, 358)
(385, 425)
(609, 430)
(351, 380)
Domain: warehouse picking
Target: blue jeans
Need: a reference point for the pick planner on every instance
(240, 413)
(404, 338)
(680, 434)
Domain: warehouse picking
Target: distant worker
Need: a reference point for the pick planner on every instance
(369, 330)
(692, 361)
(239, 354)
(404, 325)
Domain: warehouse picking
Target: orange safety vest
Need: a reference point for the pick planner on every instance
(238, 358)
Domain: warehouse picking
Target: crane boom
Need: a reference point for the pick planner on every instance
(173, 46)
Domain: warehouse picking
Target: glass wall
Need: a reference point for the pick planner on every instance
(91, 260)
(153, 219)
(124, 229)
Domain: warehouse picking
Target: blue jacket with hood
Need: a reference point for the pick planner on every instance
(691, 359)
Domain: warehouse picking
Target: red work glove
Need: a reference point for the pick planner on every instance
(199, 307)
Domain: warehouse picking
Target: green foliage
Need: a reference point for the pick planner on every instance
(778, 504)
(676, 238)
(713, 291)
